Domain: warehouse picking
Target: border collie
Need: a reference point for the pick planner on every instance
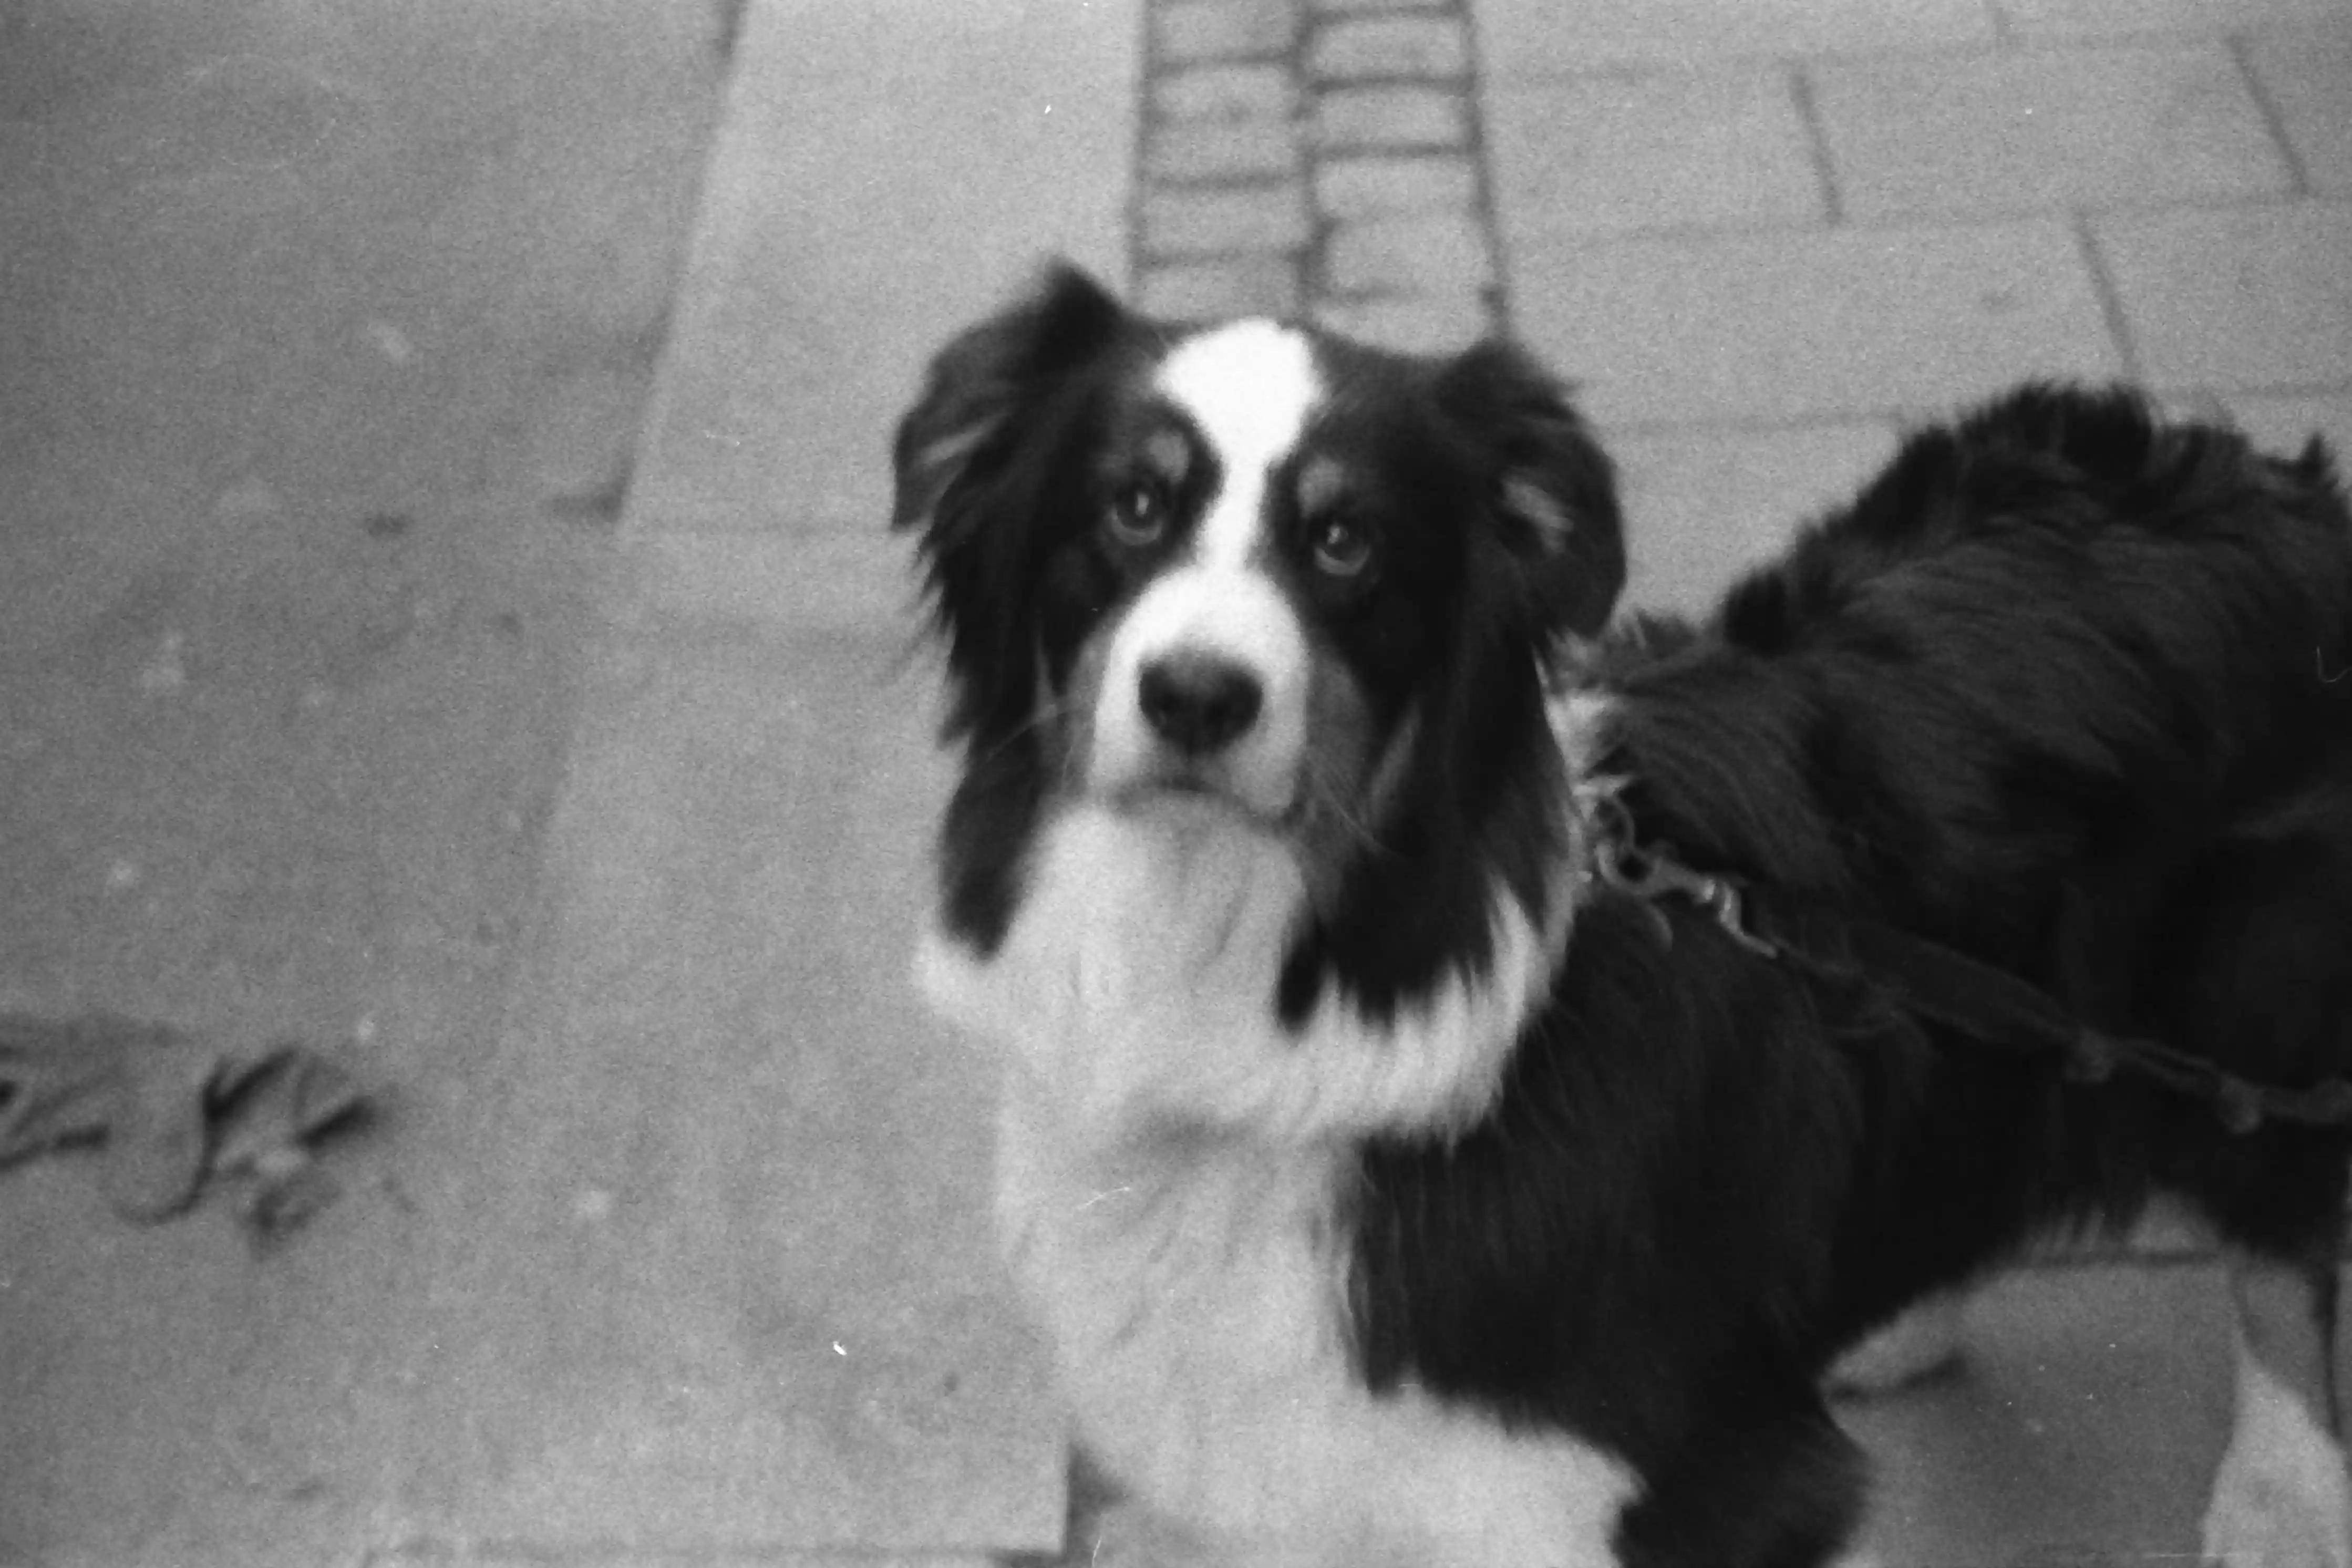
(1393, 1188)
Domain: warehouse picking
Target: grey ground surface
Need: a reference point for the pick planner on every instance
(444, 619)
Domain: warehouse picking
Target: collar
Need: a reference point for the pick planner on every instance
(1651, 872)
(1913, 981)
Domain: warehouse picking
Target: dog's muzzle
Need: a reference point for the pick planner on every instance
(1204, 692)
(1198, 703)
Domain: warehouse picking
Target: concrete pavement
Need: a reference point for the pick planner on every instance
(345, 701)
(1760, 235)
(323, 334)
(350, 711)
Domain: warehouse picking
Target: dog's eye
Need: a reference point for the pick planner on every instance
(1138, 515)
(1342, 548)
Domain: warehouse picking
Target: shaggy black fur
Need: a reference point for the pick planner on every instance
(2063, 688)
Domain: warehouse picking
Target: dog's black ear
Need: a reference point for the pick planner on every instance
(979, 385)
(1555, 498)
(963, 488)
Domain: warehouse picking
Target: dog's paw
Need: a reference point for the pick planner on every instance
(1914, 1347)
(2280, 1499)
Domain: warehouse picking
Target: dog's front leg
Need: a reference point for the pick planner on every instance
(2281, 1498)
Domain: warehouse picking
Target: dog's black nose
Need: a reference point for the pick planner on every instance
(1198, 702)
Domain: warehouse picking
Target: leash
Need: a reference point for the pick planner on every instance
(1922, 979)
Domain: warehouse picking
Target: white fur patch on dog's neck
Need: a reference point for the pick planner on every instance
(1135, 929)
(1138, 986)
(1172, 1166)
(1127, 908)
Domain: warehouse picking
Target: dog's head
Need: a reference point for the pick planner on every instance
(1254, 568)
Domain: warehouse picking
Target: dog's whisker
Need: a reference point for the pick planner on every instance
(1357, 834)
(1040, 719)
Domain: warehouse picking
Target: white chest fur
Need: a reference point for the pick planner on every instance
(1172, 1200)
(1191, 1292)
(1181, 1269)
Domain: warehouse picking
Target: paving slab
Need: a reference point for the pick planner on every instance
(813, 1351)
(1417, 323)
(1221, 288)
(1213, 151)
(733, 1284)
(1377, 185)
(2306, 73)
(2283, 422)
(269, 261)
(313, 836)
(323, 335)
(1703, 505)
(336, 326)
(1425, 254)
(2038, 131)
(1390, 117)
(1808, 325)
(2083, 1426)
(2252, 299)
(1190, 31)
(885, 175)
(1247, 90)
(1403, 45)
(2033, 19)
(1562, 38)
(1225, 219)
(1649, 149)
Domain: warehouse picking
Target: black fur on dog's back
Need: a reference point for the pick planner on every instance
(2058, 607)
(2065, 688)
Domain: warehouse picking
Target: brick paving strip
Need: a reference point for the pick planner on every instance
(1316, 157)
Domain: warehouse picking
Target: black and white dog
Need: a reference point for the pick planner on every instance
(1394, 1189)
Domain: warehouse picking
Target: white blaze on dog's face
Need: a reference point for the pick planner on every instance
(1205, 682)
(1257, 568)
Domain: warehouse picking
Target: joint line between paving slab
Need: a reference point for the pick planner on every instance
(2111, 302)
(2298, 175)
(1307, 261)
(1138, 151)
(1484, 202)
(1315, 258)
(1817, 143)
(2339, 387)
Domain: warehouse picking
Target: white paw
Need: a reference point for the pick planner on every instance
(2280, 1500)
(1916, 1345)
